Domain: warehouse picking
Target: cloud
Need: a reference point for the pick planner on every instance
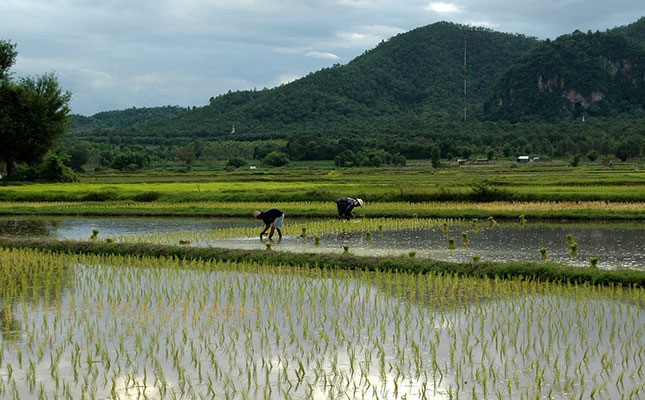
(284, 79)
(356, 3)
(483, 24)
(323, 55)
(366, 36)
(115, 54)
(443, 8)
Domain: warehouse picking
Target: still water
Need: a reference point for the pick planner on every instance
(615, 244)
(123, 328)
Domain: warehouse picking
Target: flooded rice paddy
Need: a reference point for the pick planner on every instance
(614, 244)
(129, 328)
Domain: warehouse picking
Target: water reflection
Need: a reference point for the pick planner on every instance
(133, 329)
(26, 226)
(27, 282)
(616, 244)
(80, 228)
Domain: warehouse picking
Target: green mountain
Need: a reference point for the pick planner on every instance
(414, 76)
(414, 82)
(594, 74)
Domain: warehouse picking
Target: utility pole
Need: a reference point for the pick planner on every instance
(465, 97)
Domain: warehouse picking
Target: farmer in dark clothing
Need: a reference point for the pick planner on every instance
(345, 206)
(272, 219)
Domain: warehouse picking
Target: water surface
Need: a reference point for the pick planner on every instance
(615, 244)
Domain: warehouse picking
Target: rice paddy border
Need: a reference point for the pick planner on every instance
(539, 271)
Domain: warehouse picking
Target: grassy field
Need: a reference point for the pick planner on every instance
(595, 210)
(537, 191)
(407, 184)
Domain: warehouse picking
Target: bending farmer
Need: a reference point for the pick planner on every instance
(345, 206)
(272, 219)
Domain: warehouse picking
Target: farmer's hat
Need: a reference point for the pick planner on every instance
(256, 214)
(360, 202)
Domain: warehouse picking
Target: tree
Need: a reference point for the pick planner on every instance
(628, 148)
(7, 57)
(435, 155)
(79, 154)
(236, 162)
(33, 113)
(130, 161)
(276, 159)
(187, 155)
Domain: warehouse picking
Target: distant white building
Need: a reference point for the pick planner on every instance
(523, 159)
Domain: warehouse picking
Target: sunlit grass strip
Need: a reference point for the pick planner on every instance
(543, 271)
(376, 185)
(542, 210)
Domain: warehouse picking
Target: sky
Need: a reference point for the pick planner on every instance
(119, 54)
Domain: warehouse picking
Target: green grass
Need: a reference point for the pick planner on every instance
(408, 184)
(309, 190)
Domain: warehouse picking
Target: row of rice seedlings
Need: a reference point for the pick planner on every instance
(302, 229)
(126, 327)
(236, 208)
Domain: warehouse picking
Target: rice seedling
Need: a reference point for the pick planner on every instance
(317, 228)
(522, 220)
(317, 240)
(464, 239)
(412, 254)
(543, 254)
(107, 326)
(94, 235)
(593, 262)
(573, 249)
(451, 243)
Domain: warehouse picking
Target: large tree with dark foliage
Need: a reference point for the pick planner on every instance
(33, 113)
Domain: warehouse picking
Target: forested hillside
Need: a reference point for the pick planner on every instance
(405, 99)
(418, 74)
(592, 74)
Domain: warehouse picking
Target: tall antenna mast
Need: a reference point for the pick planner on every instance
(465, 98)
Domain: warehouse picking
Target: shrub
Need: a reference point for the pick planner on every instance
(236, 162)
(146, 196)
(52, 169)
(486, 191)
(129, 161)
(276, 159)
